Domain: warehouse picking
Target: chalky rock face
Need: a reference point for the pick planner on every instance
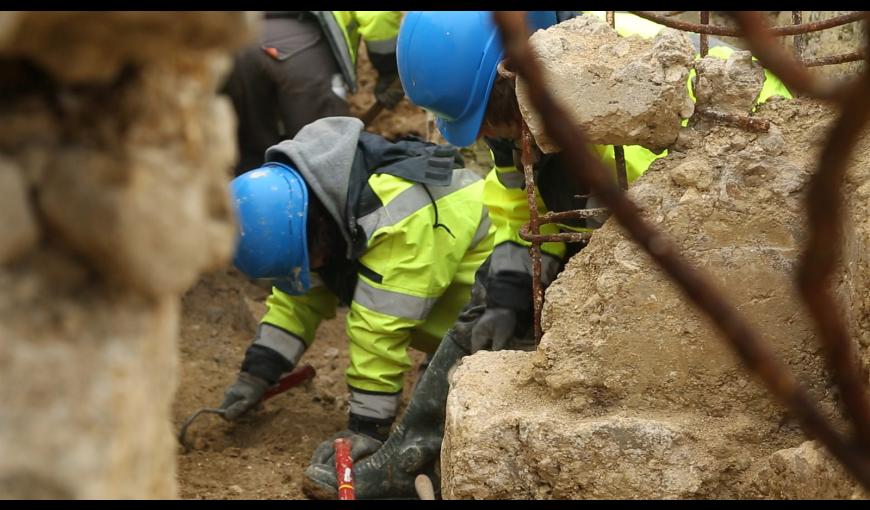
(728, 86)
(115, 155)
(805, 472)
(632, 393)
(620, 90)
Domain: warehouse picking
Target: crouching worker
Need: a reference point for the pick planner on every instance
(393, 230)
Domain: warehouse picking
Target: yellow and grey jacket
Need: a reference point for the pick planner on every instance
(379, 30)
(415, 231)
(506, 198)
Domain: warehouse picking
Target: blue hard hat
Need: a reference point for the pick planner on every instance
(271, 204)
(447, 64)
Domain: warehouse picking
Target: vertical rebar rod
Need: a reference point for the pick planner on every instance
(621, 173)
(797, 19)
(705, 41)
(527, 161)
(618, 152)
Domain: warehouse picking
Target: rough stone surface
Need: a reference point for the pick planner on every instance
(18, 231)
(626, 356)
(805, 472)
(115, 152)
(629, 91)
(729, 86)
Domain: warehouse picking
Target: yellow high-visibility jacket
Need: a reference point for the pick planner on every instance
(413, 244)
(345, 29)
(506, 198)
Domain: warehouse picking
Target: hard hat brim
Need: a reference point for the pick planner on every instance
(464, 131)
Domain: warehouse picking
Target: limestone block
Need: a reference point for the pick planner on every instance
(805, 472)
(630, 382)
(505, 443)
(620, 90)
(115, 151)
(729, 86)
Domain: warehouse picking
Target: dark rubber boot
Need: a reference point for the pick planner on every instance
(413, 447)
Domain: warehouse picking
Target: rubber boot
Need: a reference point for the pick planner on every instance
(414, 446)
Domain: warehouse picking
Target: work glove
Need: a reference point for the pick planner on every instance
(493, 330)
(243, 394)
(385, 94)
(361, 446)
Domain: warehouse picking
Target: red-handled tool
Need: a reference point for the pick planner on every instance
(294, 378)
(290, 380)
(344, 468)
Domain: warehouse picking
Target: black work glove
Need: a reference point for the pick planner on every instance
(243, 394)
(387, 95)
(361, 446)
(493, 330)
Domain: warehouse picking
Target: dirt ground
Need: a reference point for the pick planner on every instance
(264, 454)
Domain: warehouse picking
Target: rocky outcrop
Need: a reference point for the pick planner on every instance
(632, 393)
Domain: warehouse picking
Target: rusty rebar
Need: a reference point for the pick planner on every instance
(704, 38)
(797, 19)
(560, 237)
(553, 217)
(842, 58)
(695, 284)
(795, 76)
(528, 161)
(736, 32)
(746, 122)
(819, 261)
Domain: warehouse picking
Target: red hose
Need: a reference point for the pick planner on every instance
(344, 468)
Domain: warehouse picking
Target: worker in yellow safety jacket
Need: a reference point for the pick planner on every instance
(393, 230)
(302, 69)
(471, 100)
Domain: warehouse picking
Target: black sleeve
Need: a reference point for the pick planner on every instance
(384, 63)
(265, 363)
(511, 290)
(502, 150)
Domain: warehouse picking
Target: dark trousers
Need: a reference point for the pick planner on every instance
(288, 90)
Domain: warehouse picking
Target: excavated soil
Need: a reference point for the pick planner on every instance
(263, 455)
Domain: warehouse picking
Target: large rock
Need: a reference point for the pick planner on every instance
(729, 86)
(629, 368)
(805, 472)
(115, 153)
(620, 90)
(506, 442)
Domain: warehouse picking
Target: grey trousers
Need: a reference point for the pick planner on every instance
(275, 95)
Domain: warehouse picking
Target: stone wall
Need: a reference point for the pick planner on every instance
(115, 153)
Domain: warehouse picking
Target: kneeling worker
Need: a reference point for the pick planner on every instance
(394, 230)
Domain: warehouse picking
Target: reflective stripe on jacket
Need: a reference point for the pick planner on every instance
(344, 29)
